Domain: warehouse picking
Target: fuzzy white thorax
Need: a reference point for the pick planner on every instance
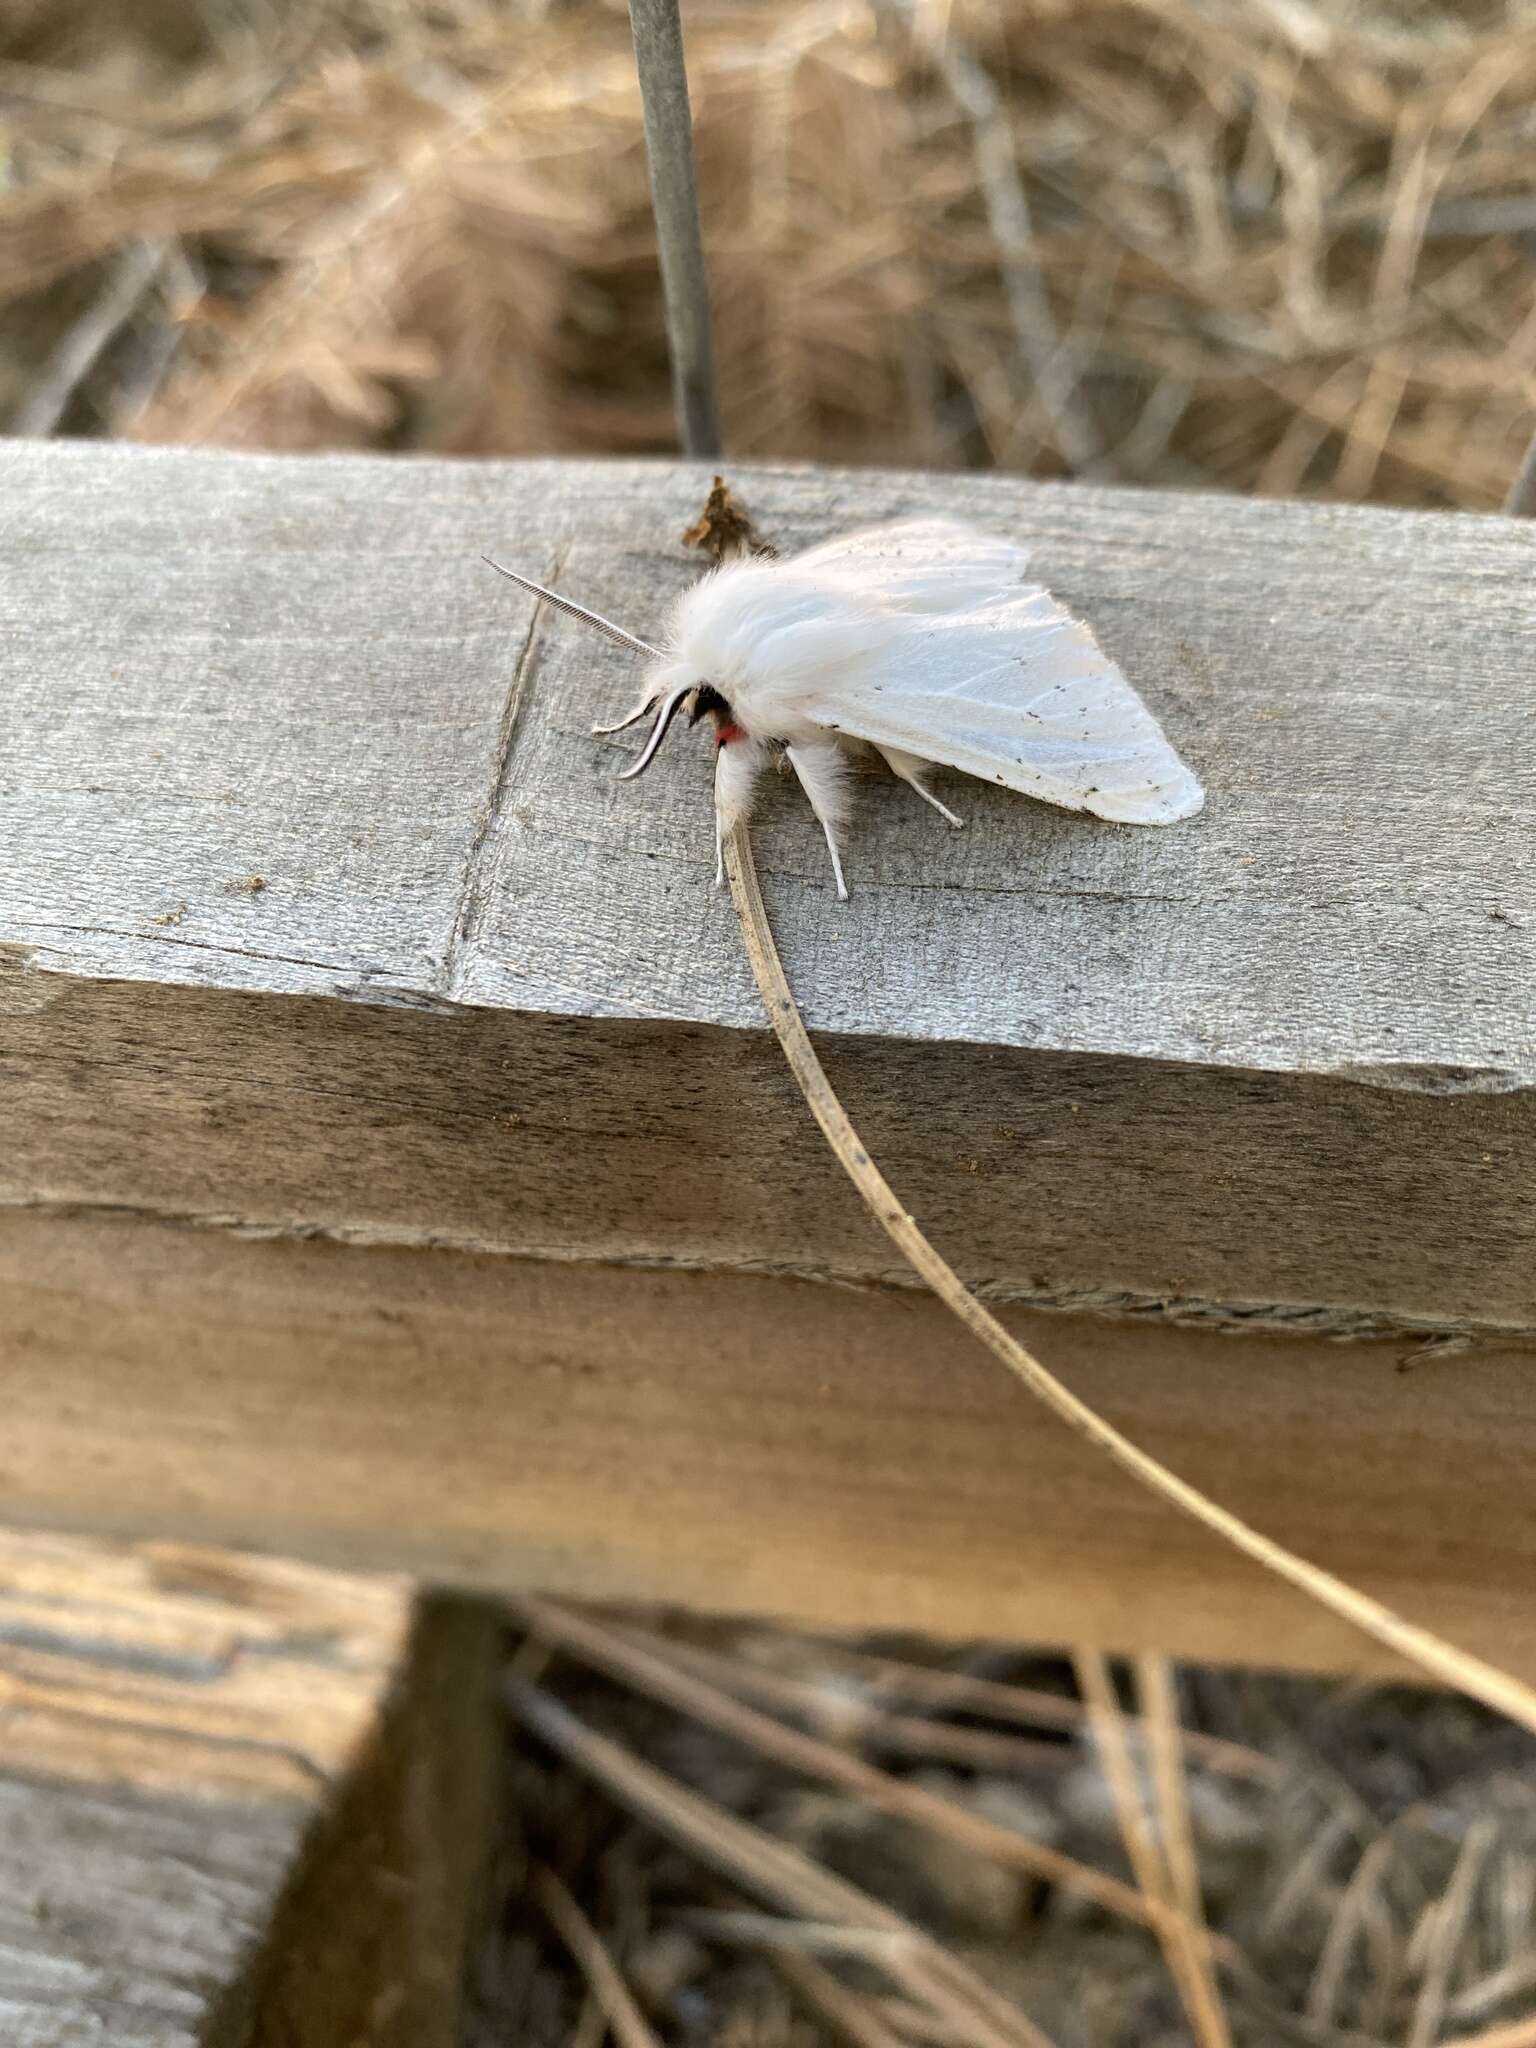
(771, 639)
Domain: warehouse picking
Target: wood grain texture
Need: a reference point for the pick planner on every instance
(760, 1446)
(241, 1801)
(1275, 1062)
(224, 666)
(325, 927)
(1072, 1180)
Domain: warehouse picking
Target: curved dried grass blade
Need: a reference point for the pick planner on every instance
(1500, 1690)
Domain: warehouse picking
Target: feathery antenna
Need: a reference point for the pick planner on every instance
(579, 611)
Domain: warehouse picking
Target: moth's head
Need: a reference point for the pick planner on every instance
(672, 686)
(675, 688)
(707, 702)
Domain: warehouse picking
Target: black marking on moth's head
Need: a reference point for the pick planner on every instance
(706, 698)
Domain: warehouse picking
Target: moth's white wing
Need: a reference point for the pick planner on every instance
(922, 565)
(1019, 694)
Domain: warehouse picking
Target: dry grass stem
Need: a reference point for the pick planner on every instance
(805, 1937)
(623, 2017)
(133, 272)
(1344, 1930)
(851, 2018)
(1417, 1646)
(1160, 1717)
(650, 1671)
(591, 2025)
(881, 1678)
(773, 1870)
(1001, 185)
(1521, 2034)
(1521, 502)
(1187, 1956)
(845, 1715)
(1446, 1928)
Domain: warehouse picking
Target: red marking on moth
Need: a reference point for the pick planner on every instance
(726, 734)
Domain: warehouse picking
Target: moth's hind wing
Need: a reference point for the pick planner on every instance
(922, 565)
(1022, 695)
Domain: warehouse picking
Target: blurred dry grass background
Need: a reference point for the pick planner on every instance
(1266, 245)
(780, 1842)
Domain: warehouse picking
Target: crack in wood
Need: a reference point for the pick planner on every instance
(1327, 1321)
(474, 883)
(108, 931)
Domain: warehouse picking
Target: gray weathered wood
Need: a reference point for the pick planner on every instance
(243, 1804)
(323, 918)
(839, 1456)
(1279, 1059)
(218, 666)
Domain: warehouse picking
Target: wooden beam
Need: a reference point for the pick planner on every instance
(322, 917)
(242, 1803)
(750, 1445)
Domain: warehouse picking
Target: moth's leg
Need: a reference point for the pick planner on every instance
(630, 718)
(738, 765)
(837, 865)
(911, 768)
(821, 771)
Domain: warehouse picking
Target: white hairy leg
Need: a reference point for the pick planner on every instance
(911, 767)
(738, 764)
(821, 770)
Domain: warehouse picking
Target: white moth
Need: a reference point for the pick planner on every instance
(921, 640)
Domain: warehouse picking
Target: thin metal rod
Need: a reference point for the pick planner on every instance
(658, 34)
(1521, 502)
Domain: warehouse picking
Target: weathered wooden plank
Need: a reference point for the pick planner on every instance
(219, 666)
(322, 917)
(242, 1802)
(756, 1445)
(1072, 1180)
(1276, 1059)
